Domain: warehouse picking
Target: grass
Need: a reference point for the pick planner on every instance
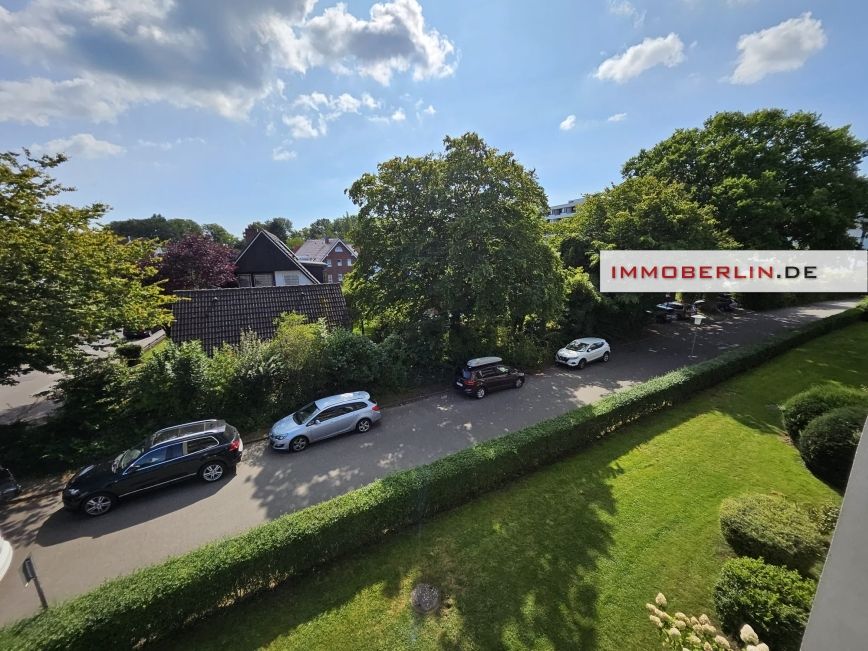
(565, 558)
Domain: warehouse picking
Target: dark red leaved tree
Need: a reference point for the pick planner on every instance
(197, 262)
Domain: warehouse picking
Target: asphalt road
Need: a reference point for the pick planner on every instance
(72, 553)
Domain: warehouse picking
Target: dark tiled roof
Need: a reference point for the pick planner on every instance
(319, 249)
(215, 316)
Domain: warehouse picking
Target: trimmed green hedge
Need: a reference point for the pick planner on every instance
(158, 600)
(773, 528)
(804, 407)
(775, 601)
(828, 443)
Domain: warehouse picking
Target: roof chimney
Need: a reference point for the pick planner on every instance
(327, 239)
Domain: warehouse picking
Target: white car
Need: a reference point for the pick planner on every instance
(579, 352)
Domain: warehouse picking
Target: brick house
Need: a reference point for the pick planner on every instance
(268, 262)
(337, 256)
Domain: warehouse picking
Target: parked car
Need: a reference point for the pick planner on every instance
(725, 302)
(9, 488)
(681, 311)
(579, 352)
(662, 313)
(323, 419)
(484, 374)
(206, 449)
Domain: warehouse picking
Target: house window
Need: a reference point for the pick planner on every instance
(340, 277)
(339, 249)
(328, 263)
(331, 278)
(340, 262)
(289, 278)
(263, 280)
(350, 262)
(244, 280)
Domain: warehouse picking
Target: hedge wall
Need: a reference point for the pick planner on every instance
(158, 600)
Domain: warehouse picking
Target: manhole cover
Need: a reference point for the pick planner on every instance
(425, 598)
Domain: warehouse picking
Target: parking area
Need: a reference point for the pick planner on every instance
(73, 554)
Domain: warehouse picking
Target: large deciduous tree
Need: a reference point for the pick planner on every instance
(279, 226)
(776, 180)
(197, 262)
(155, 227)
(457, 234)
(66, 281)
(220, 235)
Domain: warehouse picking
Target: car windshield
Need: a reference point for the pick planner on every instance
(125, 458)
(576, 346)
(466, 373)
(303, 414)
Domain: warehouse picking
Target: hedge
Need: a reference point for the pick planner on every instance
(773, 528)
(775, 601)
(156, 601)
(804, 407)
(828, 443)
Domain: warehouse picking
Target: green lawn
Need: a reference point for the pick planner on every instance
(566, 558)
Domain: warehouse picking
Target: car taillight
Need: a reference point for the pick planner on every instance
(469, 383)
(376, 407)
(235, 444)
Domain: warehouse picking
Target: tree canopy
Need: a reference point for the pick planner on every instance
(220, 235)
(155, 227)
(66, 281)
(197, 262)
(457, 234)
(279, 226)
(776, 180)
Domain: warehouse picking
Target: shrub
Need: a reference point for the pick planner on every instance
(352, 361)
(776, 601)
(773, 528)
(130, 352)
(828, 443)
(156, 601)
(825, 517)
(804, 407)
(682, 632)
(170, 385)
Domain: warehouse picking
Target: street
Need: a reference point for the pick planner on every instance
(72, 553)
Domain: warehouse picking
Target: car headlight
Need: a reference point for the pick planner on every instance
(278, 437)
(72, 492)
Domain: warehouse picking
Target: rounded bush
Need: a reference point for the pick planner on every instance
(775, 601)
(773, 528)
(804, 407)
(828, 443)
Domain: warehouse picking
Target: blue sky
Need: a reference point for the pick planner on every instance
(230, 112)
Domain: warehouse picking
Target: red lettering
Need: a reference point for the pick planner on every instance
(722, 272)
(688, 272)
(628, 272)
(765, 272)
(705, 272)
(649, 272)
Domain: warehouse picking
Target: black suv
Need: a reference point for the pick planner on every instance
(484, 374)
(206, 448)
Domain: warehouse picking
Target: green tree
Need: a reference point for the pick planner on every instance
(279, 226)
(66, 280)
(220, 235)
(458, 235)
(776, 180)
(155, 227)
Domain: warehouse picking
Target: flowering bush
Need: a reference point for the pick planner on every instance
(685, 633)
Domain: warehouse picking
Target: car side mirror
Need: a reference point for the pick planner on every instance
(316, 422)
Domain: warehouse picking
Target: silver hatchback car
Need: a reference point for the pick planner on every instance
(323, 419)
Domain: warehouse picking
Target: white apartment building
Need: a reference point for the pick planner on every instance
(562, 210)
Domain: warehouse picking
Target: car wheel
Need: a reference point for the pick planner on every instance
(519, 381)
(212, 471)
(480, 393)
(98, 504)
(606, 357)
(363, 425)
(582, 363)
(298, 444)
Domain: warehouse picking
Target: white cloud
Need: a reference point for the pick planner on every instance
(430, 110)
(399, 115)
(781, 48)
(626, 9)
(102, 57)
(370, 102)
(617, 117)
(83, 145)
(166, 145)
(302, 126)
(282, 154)
(568, 123)
(667, 51)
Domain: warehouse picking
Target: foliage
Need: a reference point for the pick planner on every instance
(220, 235)
(351, 360)
(341, 227)
(689, 633)
(197, 262)
(825, 517)
(773, 528)
(169, 386)
(155, 227)
(457, 236)
(804, 407)
(828, 444)
(156, 601)
(67, 281)
(775, 180)
(279, 226)
(130, 352)
(775, 600)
